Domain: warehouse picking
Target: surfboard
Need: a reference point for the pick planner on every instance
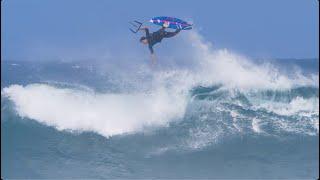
(171, 22)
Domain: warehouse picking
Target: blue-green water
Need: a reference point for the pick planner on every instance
(85, 120)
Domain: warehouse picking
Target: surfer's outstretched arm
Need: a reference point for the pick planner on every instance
(171, 34)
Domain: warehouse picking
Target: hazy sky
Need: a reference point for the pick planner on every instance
(255, 28)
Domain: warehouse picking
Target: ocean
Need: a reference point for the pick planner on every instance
(223, 116)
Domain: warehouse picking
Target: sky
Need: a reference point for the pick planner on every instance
(49, 29)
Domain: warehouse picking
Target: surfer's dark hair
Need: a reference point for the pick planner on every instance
(142, 38)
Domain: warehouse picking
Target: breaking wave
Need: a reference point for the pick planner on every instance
(221, 94)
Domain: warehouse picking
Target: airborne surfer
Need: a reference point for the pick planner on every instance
(153, 38)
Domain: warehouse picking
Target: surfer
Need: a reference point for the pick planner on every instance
(153, 38)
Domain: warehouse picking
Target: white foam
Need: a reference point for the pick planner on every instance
(106, 114)
(299, 105)
(256, 126)
(201, 137)
(236, 71)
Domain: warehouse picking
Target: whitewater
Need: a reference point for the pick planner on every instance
(129, 123)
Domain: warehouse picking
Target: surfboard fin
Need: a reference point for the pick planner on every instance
(136, 24)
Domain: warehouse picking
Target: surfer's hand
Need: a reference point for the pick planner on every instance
(165, 24)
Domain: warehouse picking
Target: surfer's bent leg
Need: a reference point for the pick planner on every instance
(171, 34)
(147, 32)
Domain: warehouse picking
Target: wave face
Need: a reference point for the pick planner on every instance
(125, 119)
